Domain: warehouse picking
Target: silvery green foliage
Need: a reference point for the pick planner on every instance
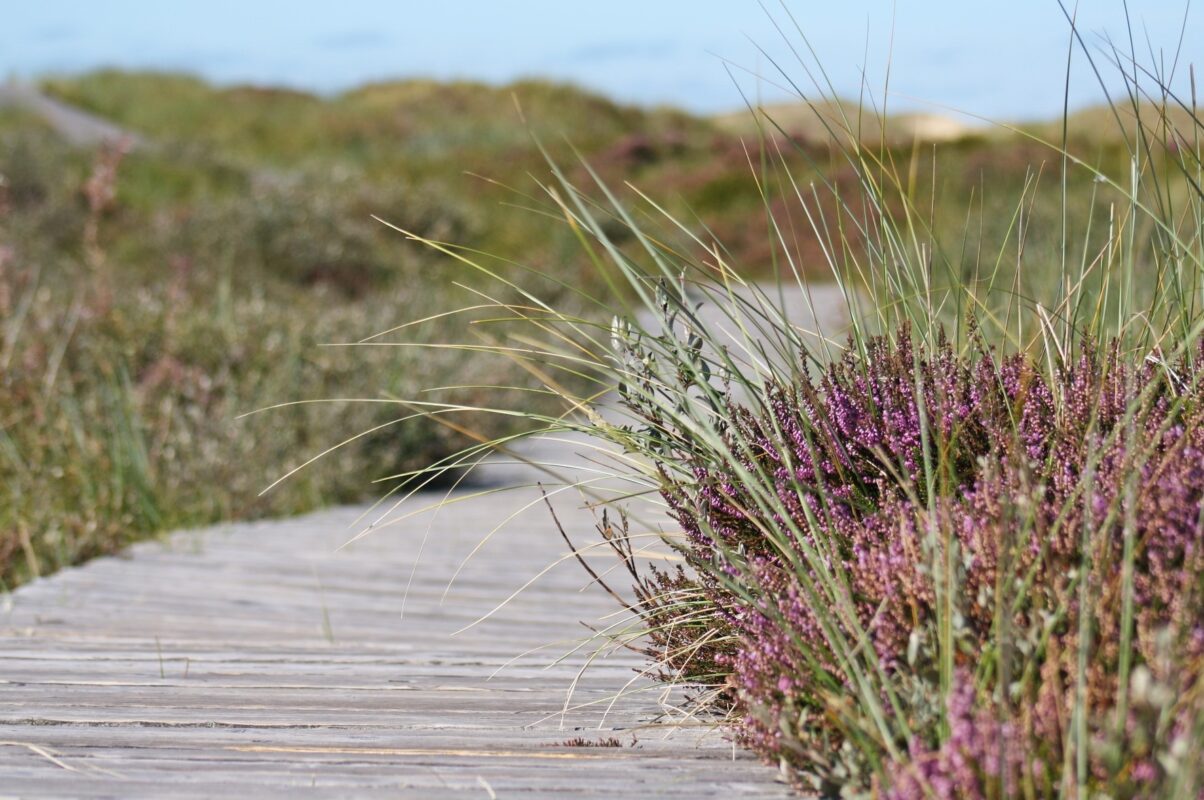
(666, 381)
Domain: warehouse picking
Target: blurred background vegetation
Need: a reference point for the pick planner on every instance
(150, 298)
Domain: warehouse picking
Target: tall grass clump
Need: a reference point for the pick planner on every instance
(953, 547)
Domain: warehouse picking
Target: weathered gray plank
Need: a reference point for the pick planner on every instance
(262, 659)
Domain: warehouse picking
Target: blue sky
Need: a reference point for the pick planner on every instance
(1004, 60)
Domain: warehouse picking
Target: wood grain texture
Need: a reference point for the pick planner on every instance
(264, 660)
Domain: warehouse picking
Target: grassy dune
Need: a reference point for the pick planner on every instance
(148, 300)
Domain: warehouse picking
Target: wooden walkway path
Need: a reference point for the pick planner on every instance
(260, 660)
(265, 660)
(76, 126)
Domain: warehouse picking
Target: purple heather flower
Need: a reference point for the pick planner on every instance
(1010, 447)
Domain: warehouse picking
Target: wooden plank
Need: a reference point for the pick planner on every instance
(261, 659)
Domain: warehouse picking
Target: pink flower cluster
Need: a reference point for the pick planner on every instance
(906, 474)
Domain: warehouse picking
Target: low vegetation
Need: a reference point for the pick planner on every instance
(131, 346)
(150, 298)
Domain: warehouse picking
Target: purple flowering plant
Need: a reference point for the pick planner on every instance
(998, 564)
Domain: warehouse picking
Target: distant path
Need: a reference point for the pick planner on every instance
(85, 129)
(261, 660)
(78, 127)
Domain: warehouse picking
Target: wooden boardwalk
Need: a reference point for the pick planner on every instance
(261, 660)
(76, 126)
(267, 659)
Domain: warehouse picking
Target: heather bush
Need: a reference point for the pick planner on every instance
(1049, 495)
